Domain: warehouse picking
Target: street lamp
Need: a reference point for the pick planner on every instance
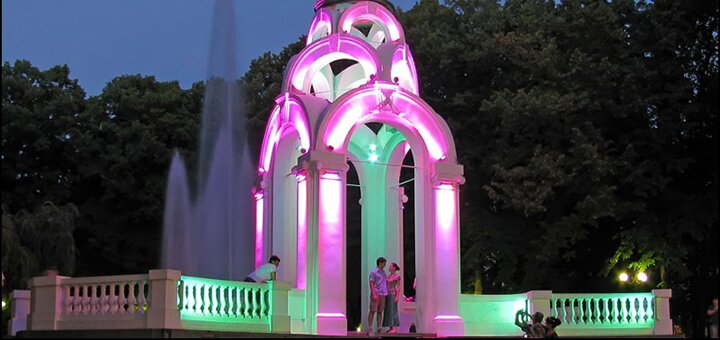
(623, 277)
(642, 277)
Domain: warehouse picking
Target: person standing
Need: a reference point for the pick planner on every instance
(266, 272)
(712, 319)
(378, 293)
(533, 330)
(551, 323)
(391, 319)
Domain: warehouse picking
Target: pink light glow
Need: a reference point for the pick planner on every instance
(288, 113)
(271, 138)
(373, 12)
(326, 50)
(322, 20)
(448, 317)
(259, 211)
(403, 67)
(331, 315)
(301, 232)
(445, 207)
(350, 110)
(330, 197)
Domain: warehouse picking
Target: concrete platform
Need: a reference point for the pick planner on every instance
(178, 333)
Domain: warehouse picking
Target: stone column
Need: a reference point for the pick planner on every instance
(445, 187)
(539, 301)
(280, 322)
(163, 312)
(325, 271)
(46, 302)
(663, 320)
(20, 308)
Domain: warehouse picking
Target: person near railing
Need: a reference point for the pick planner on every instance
(712, 319)
(534, 329)
(266, 272)
(551, 323)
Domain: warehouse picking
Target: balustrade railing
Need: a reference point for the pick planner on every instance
(201, 298)
(161, 299)
(105, 296)
(597, 310)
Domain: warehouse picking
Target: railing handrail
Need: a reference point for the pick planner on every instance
(600, 295)
(225, 283)
(104, 279)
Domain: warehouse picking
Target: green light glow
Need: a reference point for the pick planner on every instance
(4, 304)
(491, 315)
(203, 299)
(373, 157)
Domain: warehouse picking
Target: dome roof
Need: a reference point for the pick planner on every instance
(323, 3)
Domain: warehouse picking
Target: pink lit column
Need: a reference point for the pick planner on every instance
(447, 249)
(260, 231)
(324, 272)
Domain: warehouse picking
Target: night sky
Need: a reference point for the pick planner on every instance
(170, 39)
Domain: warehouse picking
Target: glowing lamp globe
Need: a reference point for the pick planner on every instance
(624, 277)
(642, 277)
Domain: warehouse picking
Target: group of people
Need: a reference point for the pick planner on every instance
(384, 295)
(536, 329)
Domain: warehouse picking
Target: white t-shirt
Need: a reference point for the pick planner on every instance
(262, 274)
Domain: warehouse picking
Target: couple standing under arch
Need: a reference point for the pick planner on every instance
(384, 296)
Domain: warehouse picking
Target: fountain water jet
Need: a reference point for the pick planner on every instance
(211, 235)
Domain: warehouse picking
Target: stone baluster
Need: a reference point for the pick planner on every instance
(131, 302)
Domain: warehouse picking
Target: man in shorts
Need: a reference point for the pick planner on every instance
(378, 292)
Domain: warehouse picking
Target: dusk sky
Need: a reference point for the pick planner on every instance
(170, 39)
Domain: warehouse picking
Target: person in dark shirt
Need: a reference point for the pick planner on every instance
(533, 330)
(551, 323)
(712, 319)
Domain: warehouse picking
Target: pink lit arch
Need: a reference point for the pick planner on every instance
(321, 26)
(385, 101)
(378, 14)
(320, 53)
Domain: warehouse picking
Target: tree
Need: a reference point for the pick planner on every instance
(39, 112)
(261, 85)
(580, 126)
(38, 240)
(130, 132)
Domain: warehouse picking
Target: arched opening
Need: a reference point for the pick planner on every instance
(406, 123)
(314, 69)
(336, 78)
(283, 204)
(371, 31)
(372, 22)
(354, 246)
(386, 173)
(407, 179)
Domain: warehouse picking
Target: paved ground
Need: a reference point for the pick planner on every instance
(170, 333)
